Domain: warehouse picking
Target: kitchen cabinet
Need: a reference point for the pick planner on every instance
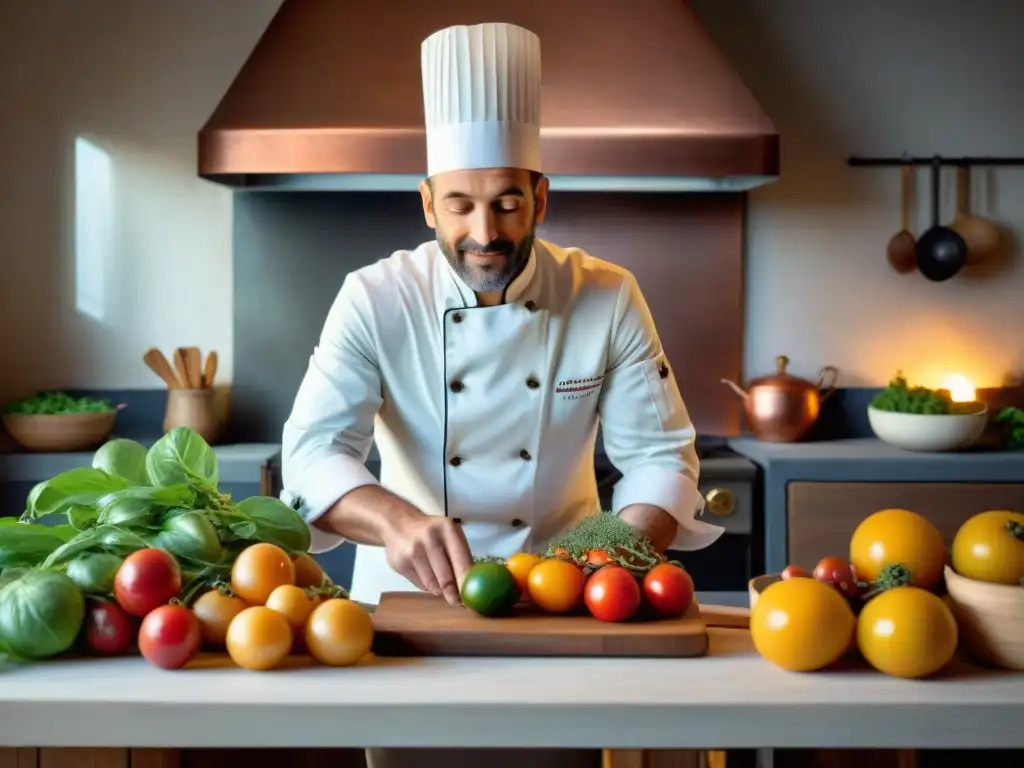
(821, 516)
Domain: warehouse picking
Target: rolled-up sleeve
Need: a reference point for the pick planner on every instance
(329, 432)
(646, 428)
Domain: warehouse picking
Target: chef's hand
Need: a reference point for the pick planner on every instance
(432, 552)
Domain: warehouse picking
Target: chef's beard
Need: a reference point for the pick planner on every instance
(482, 279)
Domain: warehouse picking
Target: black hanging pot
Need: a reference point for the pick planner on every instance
(940, 252)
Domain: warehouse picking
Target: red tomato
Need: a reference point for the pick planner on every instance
(146, 580)
(170, 636)
(108, 628)
(612, 594)
(794, 572)
(668, 589)
(837, 573)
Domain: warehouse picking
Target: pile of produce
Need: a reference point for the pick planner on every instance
(55, 403)
(884, 602)
(602, 567)
(145, 552)
(900, 397)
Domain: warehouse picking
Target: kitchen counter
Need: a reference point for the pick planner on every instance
(860, 460)
(731, 698)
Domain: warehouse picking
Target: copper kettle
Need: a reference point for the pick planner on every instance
(781, 408)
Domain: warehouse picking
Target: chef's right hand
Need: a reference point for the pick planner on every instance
(432, 552)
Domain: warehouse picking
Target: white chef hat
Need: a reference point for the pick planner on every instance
(481, 98)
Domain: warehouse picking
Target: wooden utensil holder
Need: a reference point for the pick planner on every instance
(195, 409)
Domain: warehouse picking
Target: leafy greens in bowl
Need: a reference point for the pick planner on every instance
(922, 419)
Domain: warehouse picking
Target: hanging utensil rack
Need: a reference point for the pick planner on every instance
(963, 162)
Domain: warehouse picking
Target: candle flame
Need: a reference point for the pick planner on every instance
(961, 389)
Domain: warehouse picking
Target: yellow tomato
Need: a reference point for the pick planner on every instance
(520, 564)
(293, 604)
(339, 632)
(308, 572)
(258, 638)
(898, 537)
(990, 547)
(258, 570)
(801, 624)
(215, 611)
(906, 632)
(555, 585)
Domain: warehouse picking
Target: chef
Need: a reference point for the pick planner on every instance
(482, 363)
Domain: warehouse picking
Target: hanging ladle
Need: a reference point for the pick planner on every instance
(940, 252)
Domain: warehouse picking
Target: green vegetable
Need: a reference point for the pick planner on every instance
(93, 572)
(41, 614)
(26, 544)
(102, 538)
(123, 458)
(275, 522)
(82, 486)
(189, 535)
(900, 397)
(53, 403)
(141, 505)
(181, 456)
(1013, 419)
(490, 589)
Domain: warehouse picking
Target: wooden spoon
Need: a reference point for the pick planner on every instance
(210, 371)
(194, 363)
(901, 246)
(980, 234)
(181, 366)
(158, 364)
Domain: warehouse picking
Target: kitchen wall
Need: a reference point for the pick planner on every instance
(118, 90)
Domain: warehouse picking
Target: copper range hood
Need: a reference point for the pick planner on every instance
(636, 97)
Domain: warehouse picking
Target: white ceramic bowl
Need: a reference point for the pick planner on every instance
(920, 432)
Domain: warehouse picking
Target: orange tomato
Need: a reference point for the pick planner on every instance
(801, 625)
(308, 572)
(339, 632)
(258, 570)
(907, 632)
(215, 611)
(258, 638)
(898, 537)
(520, 564)
(556, 585)
(988, 547)
(293, 604)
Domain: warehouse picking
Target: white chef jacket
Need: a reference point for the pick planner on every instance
(489, 415)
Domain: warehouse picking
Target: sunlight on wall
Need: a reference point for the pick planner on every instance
(94, 226)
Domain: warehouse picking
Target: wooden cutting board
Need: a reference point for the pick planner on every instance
(418, 624)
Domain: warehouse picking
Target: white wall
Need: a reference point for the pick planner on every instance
(138, 78)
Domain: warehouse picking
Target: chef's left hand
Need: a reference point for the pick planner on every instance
(653, 522)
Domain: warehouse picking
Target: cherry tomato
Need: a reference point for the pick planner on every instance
(907, 632)
(108, 627)
(215, 610)
(308, 572)
(556, 585)
(146, 580)
(801, 625)
(838, 573)
(598, 557)
(794, 572)
(668, 589)
(258, 570)
(339, 632)
(170, 636)
(990, 547)
(612, 594)
(293, 604)
(520, 564)
(258, 638)
(898, 537)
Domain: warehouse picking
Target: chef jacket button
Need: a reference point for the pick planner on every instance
(516, 523)
(457, 386)
(663, 371)
(532, 306)
(532, 383)
(457, 317)
(525, 455)
(457, 520)
(455, 461)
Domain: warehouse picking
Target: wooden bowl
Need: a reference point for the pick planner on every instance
(990, 618)
(759, 584)
(60, 432)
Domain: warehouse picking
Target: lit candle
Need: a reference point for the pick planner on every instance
(961, 390)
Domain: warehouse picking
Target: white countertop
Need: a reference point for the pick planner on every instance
(731, 698)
